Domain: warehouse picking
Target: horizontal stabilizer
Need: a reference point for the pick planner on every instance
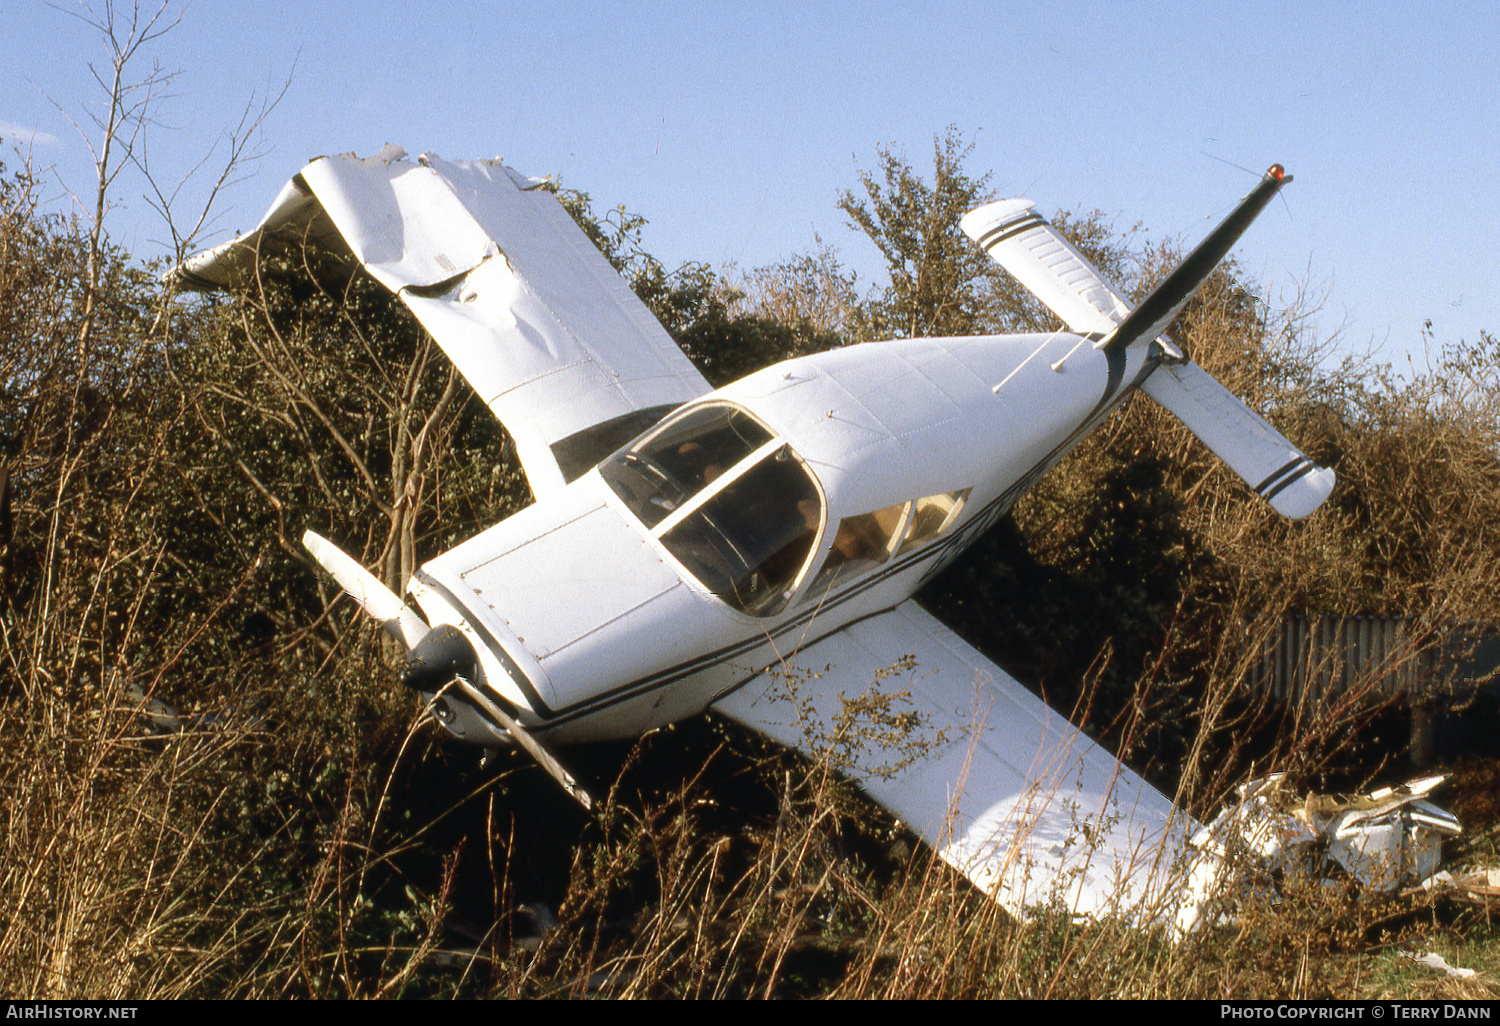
(401, 621)
(1280, 473)
(1036, 254)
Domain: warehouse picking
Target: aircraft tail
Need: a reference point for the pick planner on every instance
(1166, 301)
(1032, 250)
(1036, 254)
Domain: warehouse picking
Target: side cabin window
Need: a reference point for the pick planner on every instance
(931, 517)
(862, 543)
(748, 542)
(866, 541)
(731, 502)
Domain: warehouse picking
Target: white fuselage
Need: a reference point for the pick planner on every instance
(590, 623)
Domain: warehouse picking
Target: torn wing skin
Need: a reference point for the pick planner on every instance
(1006, 790)
(1032, 250)
(531, 313)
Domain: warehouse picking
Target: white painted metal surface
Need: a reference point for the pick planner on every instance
(1381, 840)
(522, 302)
(1061, 277)
(1008, 791)
(780, 523)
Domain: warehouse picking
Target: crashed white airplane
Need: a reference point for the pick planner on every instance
(753, 549)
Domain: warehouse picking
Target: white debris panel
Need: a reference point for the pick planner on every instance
(1382, 840)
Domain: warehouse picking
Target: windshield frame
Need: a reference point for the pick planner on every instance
(759, 589)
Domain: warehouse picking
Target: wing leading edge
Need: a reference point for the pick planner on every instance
(526, 307)
(1006, 790)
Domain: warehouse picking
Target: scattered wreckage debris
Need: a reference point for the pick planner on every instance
(160, 718)
(1438, 979)
(1438, 964)
(1479, 887)
(1383, 840)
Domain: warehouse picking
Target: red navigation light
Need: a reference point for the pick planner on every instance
(1276, 171)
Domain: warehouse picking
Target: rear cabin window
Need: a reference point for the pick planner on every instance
(866, 541)
(731, 503)
(862, 543)
(932, 516)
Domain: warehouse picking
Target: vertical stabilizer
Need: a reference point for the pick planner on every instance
(1166, 301)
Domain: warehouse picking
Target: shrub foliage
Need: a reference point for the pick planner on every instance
(294, 831)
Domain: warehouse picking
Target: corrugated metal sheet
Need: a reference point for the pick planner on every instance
(1313, 659)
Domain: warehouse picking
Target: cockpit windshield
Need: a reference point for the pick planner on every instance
(748, 542)
(668, 467)
(738, 510)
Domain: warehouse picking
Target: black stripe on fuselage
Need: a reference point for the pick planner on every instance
(959, 539)
(672, 674)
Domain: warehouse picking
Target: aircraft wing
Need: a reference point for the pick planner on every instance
(526, 307)
(1006, 790)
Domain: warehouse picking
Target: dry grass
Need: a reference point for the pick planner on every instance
(297, 839)
(275, 855)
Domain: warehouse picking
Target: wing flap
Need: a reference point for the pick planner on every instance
(1006, 790)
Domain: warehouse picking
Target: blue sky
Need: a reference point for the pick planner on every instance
(733, 126)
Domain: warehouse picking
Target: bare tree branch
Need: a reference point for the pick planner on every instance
(242, 149)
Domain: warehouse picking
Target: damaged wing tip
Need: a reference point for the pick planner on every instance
(390, 153)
